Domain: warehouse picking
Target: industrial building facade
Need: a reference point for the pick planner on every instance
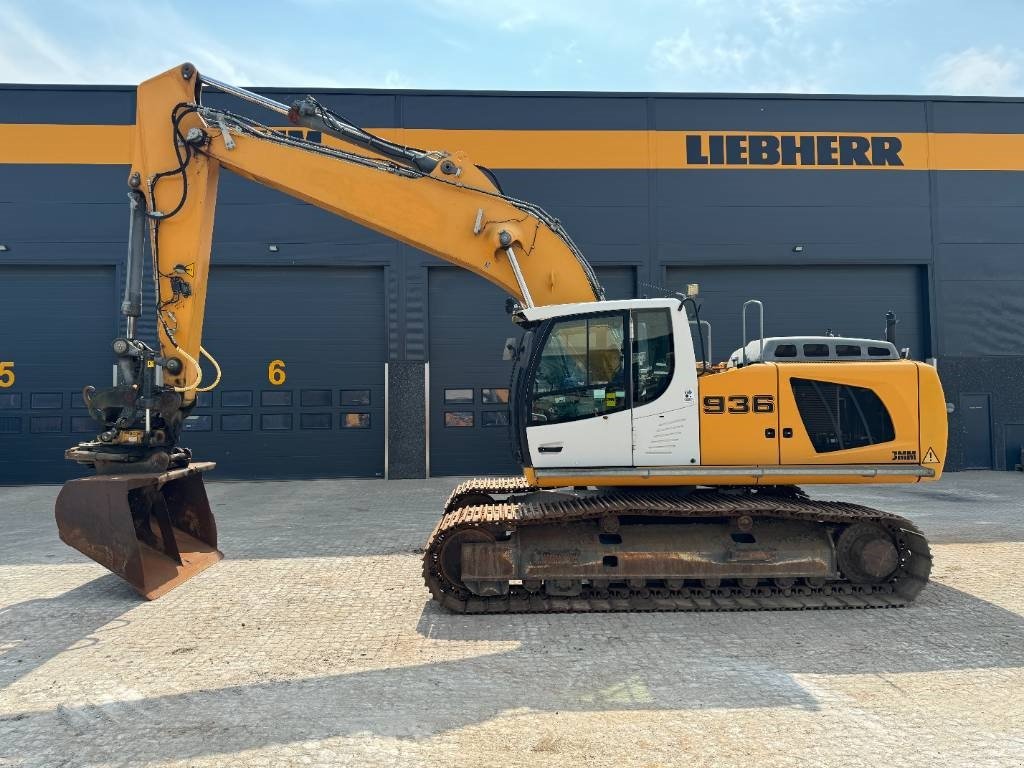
(348, 354)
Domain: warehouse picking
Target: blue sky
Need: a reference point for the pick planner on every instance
(803, 46)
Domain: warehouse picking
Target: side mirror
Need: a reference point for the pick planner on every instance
(510, 351)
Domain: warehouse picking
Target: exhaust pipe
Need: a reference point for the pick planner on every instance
(890, 327)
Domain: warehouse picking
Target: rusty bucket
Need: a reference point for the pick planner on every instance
(154, 530)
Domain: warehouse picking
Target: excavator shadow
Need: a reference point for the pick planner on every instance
(34, 631)
(589, 663)
(945, 629)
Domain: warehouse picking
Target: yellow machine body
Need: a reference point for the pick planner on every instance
(739, 446)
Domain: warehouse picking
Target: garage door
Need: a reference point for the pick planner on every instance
(56, 325)
(303, 351)
(468, 396)
(848, 301)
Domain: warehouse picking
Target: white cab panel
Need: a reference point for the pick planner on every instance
(663, 432)
(598, 441)
(666, 432)
(667, 439)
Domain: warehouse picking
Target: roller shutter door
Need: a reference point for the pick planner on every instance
(848, 300)
(467, 406)
(56, 325)
(325, 417)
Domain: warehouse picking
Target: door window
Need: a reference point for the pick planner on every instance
(580, 373)
(653, 361)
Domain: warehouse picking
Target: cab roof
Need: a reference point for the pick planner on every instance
(537, 314)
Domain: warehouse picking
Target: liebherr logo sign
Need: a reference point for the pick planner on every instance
(790, 149)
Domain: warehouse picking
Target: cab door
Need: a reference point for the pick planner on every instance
(579, 413)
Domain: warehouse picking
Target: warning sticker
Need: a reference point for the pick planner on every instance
(930, 457)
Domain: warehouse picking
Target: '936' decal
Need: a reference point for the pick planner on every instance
(739, 404)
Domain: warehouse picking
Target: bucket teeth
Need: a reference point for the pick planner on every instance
(154, 530)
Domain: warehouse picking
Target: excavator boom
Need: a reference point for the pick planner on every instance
(140, 516)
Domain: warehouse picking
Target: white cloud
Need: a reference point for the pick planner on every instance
(974, 72)
(788, 16)
(29, 53)
(519, 19)
(685, 56)
(791, 47)
(526, 16)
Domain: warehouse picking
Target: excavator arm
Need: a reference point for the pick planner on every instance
(145, 515)
(438, 202)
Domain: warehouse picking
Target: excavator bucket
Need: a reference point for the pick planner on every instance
(154, 530)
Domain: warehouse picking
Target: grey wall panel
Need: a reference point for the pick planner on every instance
(851, 301)
(554, 189)
(782, 253)
(413, 302)
(788, 114)
(980, 224)
(515, 111)
(953, 188)
(64, 222)
(328, 326)
(56, 326)
(981, 318)
(798, 188)
(977, 116)
(818, 224)
(607, 225)
(495, 110)
(618, 282)
(22, 183)
(992, 262)
(601, 254)
(83, 105)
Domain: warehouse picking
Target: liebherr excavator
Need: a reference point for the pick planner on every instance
(651, 480)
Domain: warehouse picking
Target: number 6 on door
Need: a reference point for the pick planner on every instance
(275, 372)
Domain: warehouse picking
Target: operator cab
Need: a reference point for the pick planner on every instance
(610, 383)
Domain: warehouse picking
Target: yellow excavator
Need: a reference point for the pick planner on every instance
(652, 480)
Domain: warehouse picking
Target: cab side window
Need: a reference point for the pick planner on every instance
(653, 358)
(581, 371)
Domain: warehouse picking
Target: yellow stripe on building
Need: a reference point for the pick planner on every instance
(70, 144)
(598, 149)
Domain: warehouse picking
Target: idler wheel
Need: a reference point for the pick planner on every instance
(867, 553)
(449, 559)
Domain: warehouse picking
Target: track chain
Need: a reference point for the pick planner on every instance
(900, 589)
(488, 486)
